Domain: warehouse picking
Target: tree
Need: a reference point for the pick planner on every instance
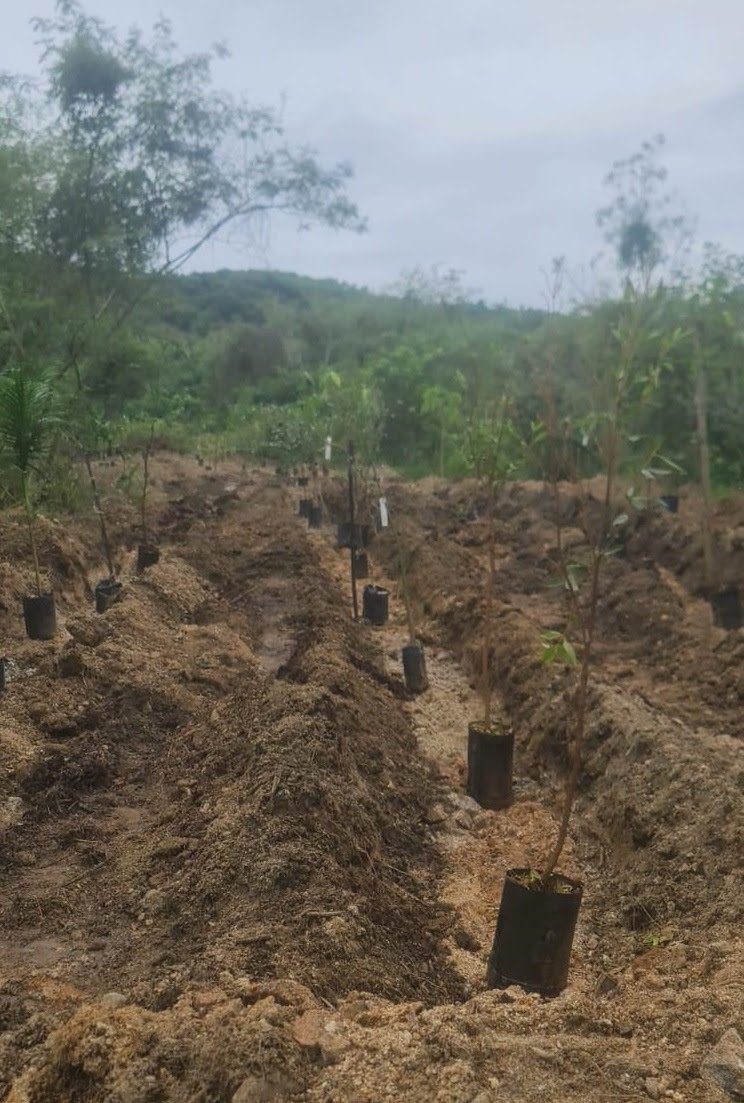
(144, 161)
(444, 406)
(26, 421)
(648, 236)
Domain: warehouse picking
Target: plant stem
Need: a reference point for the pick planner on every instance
(352, 541)
(405, 590)
(92, 480)
(99, 512)
(488, 612)
(588, 622)
(701, 415)
(31, 532)
(145, 481)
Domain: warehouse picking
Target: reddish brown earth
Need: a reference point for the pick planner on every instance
(236, 861)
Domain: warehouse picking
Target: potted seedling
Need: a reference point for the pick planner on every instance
(490, 743)
(87, 432)
(26, 420)
(148, 552)
(413, 655)
(540, 907)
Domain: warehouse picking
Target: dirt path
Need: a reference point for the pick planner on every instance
(476, 845)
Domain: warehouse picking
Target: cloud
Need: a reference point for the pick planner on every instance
(480, 131)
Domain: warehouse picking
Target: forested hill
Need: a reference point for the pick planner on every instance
(202, 301)
(272, 362)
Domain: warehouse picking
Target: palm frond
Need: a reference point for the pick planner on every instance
(27, 416)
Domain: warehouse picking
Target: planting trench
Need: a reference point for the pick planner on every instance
(227, 869)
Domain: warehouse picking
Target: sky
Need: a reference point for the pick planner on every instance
(480, 130)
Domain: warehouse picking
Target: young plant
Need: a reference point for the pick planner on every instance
(87, 433)
(631, 383)
(490, 441)
(26, 423)
(146, 453)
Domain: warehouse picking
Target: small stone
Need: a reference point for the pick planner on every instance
(306, 1029)
(154, 901)
(465, 803)
(465, 940)
(113, 1000)
(332, 1046)
(70, 663)
(259, 1089)
(170, 846)
(653, 1087)
(436, 814)
(607, 986)
(724, 1065)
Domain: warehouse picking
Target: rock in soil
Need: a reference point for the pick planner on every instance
(724, 1065)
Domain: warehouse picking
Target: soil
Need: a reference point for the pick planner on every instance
(238, 862)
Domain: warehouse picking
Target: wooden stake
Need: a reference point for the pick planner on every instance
(352, 541)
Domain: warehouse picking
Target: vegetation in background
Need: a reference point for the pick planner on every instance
(26, 423)
(126, 158)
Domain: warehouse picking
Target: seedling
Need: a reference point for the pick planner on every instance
(535, 901)
(352, 542)
(490, 746)
(87, 433)
(489, 442)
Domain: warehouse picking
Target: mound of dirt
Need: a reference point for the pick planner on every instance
(175, 815)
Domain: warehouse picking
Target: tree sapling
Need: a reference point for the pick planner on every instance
(539, 907)
(490, 743)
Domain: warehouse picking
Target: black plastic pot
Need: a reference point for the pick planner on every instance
(305, 507)
(490, 766)
(375, 605)
(40, 616)
(670, 502)
(147, 556)
(414, 668)
(361, 564)
(534, 933)
(348, 535)
(107, 592)
(726, 605)
(315, 516)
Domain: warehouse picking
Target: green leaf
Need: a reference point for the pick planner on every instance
(557, 649)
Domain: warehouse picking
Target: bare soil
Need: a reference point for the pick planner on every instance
(238, 863)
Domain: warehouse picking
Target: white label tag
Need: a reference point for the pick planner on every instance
(328, 444)
(384, 517)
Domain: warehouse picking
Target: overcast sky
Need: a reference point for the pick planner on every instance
(480, 130)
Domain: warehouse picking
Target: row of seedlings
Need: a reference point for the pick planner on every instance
(30, 422)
